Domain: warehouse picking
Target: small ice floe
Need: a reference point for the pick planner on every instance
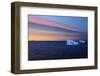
(82, 41)
(71, 42)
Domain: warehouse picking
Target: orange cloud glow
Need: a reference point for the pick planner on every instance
(44, 37)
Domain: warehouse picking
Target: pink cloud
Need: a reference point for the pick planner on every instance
(50, 23)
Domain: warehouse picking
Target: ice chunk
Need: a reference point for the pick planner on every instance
(71, 42)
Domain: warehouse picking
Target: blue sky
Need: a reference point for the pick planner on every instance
(43, 27)
(77, 22)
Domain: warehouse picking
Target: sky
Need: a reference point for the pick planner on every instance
(56, 28)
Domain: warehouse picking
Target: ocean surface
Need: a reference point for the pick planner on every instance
(51, 50)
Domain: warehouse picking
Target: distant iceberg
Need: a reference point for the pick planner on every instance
(71, 42)
(82, 41)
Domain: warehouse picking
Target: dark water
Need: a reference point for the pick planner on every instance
(47, 50)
